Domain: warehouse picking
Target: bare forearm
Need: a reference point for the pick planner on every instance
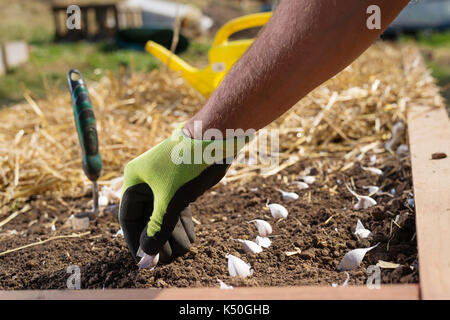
(304, 44)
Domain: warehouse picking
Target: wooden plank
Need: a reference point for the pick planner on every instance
(386, 292)
(429, 132)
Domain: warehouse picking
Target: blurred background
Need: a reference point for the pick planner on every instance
(38, 50)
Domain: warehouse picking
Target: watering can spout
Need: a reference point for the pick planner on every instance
(222, 55)
(169, 58)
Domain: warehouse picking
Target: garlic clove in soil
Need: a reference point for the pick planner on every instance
(263, 241)
(264, 228)
(360, 231)
(373, 170)
(119, 233)
(308, 179)
(147, 261)
(402, 149)
(250, 246)
(288, 196)
(364, 202)
(223, 285)
(238, 267)
(372, 190)
(353, 258)
(111, 193)
(140, 253)
(300, 184)
(277, 210)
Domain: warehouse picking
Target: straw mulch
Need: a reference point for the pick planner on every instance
(351, 113)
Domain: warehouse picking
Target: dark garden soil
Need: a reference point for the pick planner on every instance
(321, 223)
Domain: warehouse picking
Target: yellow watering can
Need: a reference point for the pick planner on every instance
(222, 55)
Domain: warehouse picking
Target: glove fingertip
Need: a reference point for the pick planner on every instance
(151, 245)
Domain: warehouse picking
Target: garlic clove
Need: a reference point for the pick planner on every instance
(397, 133)
(300, 184)
(238, 267)
(223, 285)
(119, 233)
(111, 193)
(148, 261)
(402, 149)
(396, 218)
(264, 228)
(372, 190)
(140, 253)
(360, 231)
(288, 196)
(308, 179)
(373, 170)
(277, 210)
(364, 202)
(250, 246)
(353, 258)
(263, 241)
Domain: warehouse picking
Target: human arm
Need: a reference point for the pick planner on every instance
(304, 44)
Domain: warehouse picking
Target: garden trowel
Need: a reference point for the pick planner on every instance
(87, 135)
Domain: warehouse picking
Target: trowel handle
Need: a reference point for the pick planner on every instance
(85, 124)
(241, 23)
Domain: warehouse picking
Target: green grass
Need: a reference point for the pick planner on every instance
(434, 39)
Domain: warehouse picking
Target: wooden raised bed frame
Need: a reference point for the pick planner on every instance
(429, 132)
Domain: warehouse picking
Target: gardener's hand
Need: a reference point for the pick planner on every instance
(162, 182)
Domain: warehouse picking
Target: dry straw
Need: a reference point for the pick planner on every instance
(350, 114)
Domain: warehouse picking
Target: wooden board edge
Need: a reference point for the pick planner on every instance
(386, 292)
(429, 132)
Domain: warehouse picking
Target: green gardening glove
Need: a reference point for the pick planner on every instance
(159, 184)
